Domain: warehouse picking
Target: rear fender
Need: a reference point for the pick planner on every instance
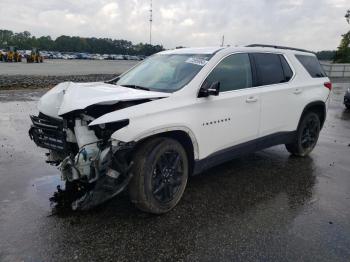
(316, 104)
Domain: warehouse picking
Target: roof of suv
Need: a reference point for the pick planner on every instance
(194, 50)
(257, 48)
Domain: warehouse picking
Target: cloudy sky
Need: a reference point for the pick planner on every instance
(311, 24)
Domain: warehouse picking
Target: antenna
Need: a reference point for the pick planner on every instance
(222, 40)
(150, 24)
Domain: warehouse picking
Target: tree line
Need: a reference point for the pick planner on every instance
(24, 40)
(343, 53)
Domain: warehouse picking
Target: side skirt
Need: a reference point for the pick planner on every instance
(227, 154)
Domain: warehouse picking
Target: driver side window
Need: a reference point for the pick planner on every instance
(233, 72)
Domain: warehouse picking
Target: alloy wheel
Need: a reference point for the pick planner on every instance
(167, 176)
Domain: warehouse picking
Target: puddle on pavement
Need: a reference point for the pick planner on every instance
(43, 188)
(49, 192)
(345, 115)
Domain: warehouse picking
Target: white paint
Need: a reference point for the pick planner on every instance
(234, 117)
(276, 109)
(197, 50)
(69, 96)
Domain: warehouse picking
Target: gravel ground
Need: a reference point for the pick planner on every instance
(52, 72)
(32, 82)
(61, 67)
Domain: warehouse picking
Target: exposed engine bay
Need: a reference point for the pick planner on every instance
(94, 166)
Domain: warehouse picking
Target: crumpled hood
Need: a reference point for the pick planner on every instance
(69, 96)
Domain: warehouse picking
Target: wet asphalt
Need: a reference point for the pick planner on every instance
(265, 206)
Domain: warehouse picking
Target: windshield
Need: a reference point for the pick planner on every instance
(164, 72)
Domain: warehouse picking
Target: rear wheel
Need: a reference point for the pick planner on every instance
(160, 173)
(307, 135)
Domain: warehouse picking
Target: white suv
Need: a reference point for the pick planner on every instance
(175, 114)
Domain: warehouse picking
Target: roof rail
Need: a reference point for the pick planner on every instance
(280, 47)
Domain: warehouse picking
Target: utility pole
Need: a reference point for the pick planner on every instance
(150, 24)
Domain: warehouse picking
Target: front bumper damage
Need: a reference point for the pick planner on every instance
(95, 170)
(94, 167)
(48, 133)
(111, 175)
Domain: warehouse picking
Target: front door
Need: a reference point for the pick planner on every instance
(232, 117)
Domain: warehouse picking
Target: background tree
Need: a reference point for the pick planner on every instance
(24, 40)
(343, 53)
(327, 55)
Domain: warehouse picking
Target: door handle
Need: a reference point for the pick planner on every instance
(251, 99)
(297, 91)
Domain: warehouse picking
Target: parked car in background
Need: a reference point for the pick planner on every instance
(77, 55)
(347, 99)
(97, 57)
(119, 57)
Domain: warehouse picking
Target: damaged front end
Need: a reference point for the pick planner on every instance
(94, 167)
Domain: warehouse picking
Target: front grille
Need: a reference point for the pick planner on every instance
(47, 132)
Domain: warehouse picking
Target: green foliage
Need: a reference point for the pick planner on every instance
(64, 43)
(343, 53)
(347, 16)
(326, 55)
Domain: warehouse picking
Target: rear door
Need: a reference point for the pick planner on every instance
(278, 96)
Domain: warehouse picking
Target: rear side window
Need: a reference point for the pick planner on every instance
(312, 65)
(269, 69)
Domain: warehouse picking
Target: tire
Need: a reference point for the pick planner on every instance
(160, 173)
(347, 106)
(307, 135)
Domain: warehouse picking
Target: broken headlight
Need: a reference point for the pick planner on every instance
(104, 131)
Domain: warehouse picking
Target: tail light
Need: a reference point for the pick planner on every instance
(328, 85)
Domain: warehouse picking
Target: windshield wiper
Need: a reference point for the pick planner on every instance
(137, 87)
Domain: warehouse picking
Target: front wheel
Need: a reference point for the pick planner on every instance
(160, 173)
(307, 135)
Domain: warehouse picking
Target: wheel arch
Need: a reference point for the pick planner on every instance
(318, 107)
(186, 139)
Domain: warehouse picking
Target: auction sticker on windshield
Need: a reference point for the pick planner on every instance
(197, 61)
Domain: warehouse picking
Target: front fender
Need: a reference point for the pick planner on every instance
(128, 134)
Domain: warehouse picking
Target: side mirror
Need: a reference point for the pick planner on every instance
(209, 89)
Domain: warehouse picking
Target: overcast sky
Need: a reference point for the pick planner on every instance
(311, 24)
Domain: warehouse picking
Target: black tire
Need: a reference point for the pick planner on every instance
(307, 135)
(160, 173)
(347, 106)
